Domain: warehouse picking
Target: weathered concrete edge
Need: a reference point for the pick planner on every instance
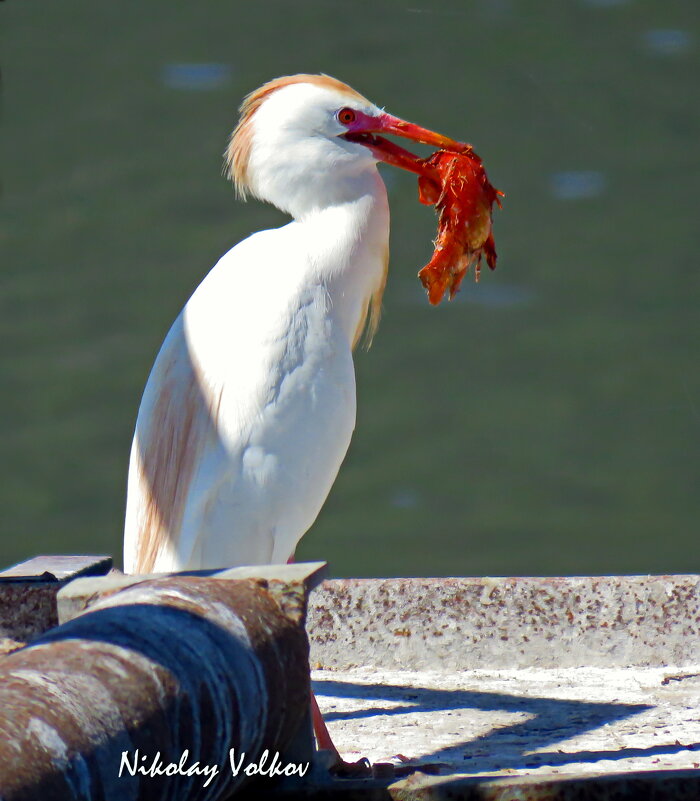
(59, 567)
(681, 785)
(452, 624)
(28, 594)
(668, 785)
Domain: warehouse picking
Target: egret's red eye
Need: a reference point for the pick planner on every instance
(346, 116)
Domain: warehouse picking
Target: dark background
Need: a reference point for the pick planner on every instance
(544, 422)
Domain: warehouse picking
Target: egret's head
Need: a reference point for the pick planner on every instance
(306, 141)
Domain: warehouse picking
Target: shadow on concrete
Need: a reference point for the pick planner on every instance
(551, 721)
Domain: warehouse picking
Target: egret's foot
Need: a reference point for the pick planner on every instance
(362, 769)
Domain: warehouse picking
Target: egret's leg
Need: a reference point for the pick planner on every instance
(323, 737)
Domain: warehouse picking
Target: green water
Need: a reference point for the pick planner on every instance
(546, 422)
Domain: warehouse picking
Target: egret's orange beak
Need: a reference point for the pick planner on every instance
(364, 130)
(388, 124)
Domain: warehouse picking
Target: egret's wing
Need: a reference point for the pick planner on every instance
(247, 387)
(175, 427)
(178, 430)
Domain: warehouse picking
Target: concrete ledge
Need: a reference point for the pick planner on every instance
(542, 722)
(665, 786)
(479, 688)
(28, 594)
(504, 688)
(452, 624)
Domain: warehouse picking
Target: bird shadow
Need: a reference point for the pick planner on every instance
(511, 746)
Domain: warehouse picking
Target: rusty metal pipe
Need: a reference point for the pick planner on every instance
(164, 667)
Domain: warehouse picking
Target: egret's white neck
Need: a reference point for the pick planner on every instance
(348, 242)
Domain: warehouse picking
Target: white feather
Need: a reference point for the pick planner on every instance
(254, 389)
